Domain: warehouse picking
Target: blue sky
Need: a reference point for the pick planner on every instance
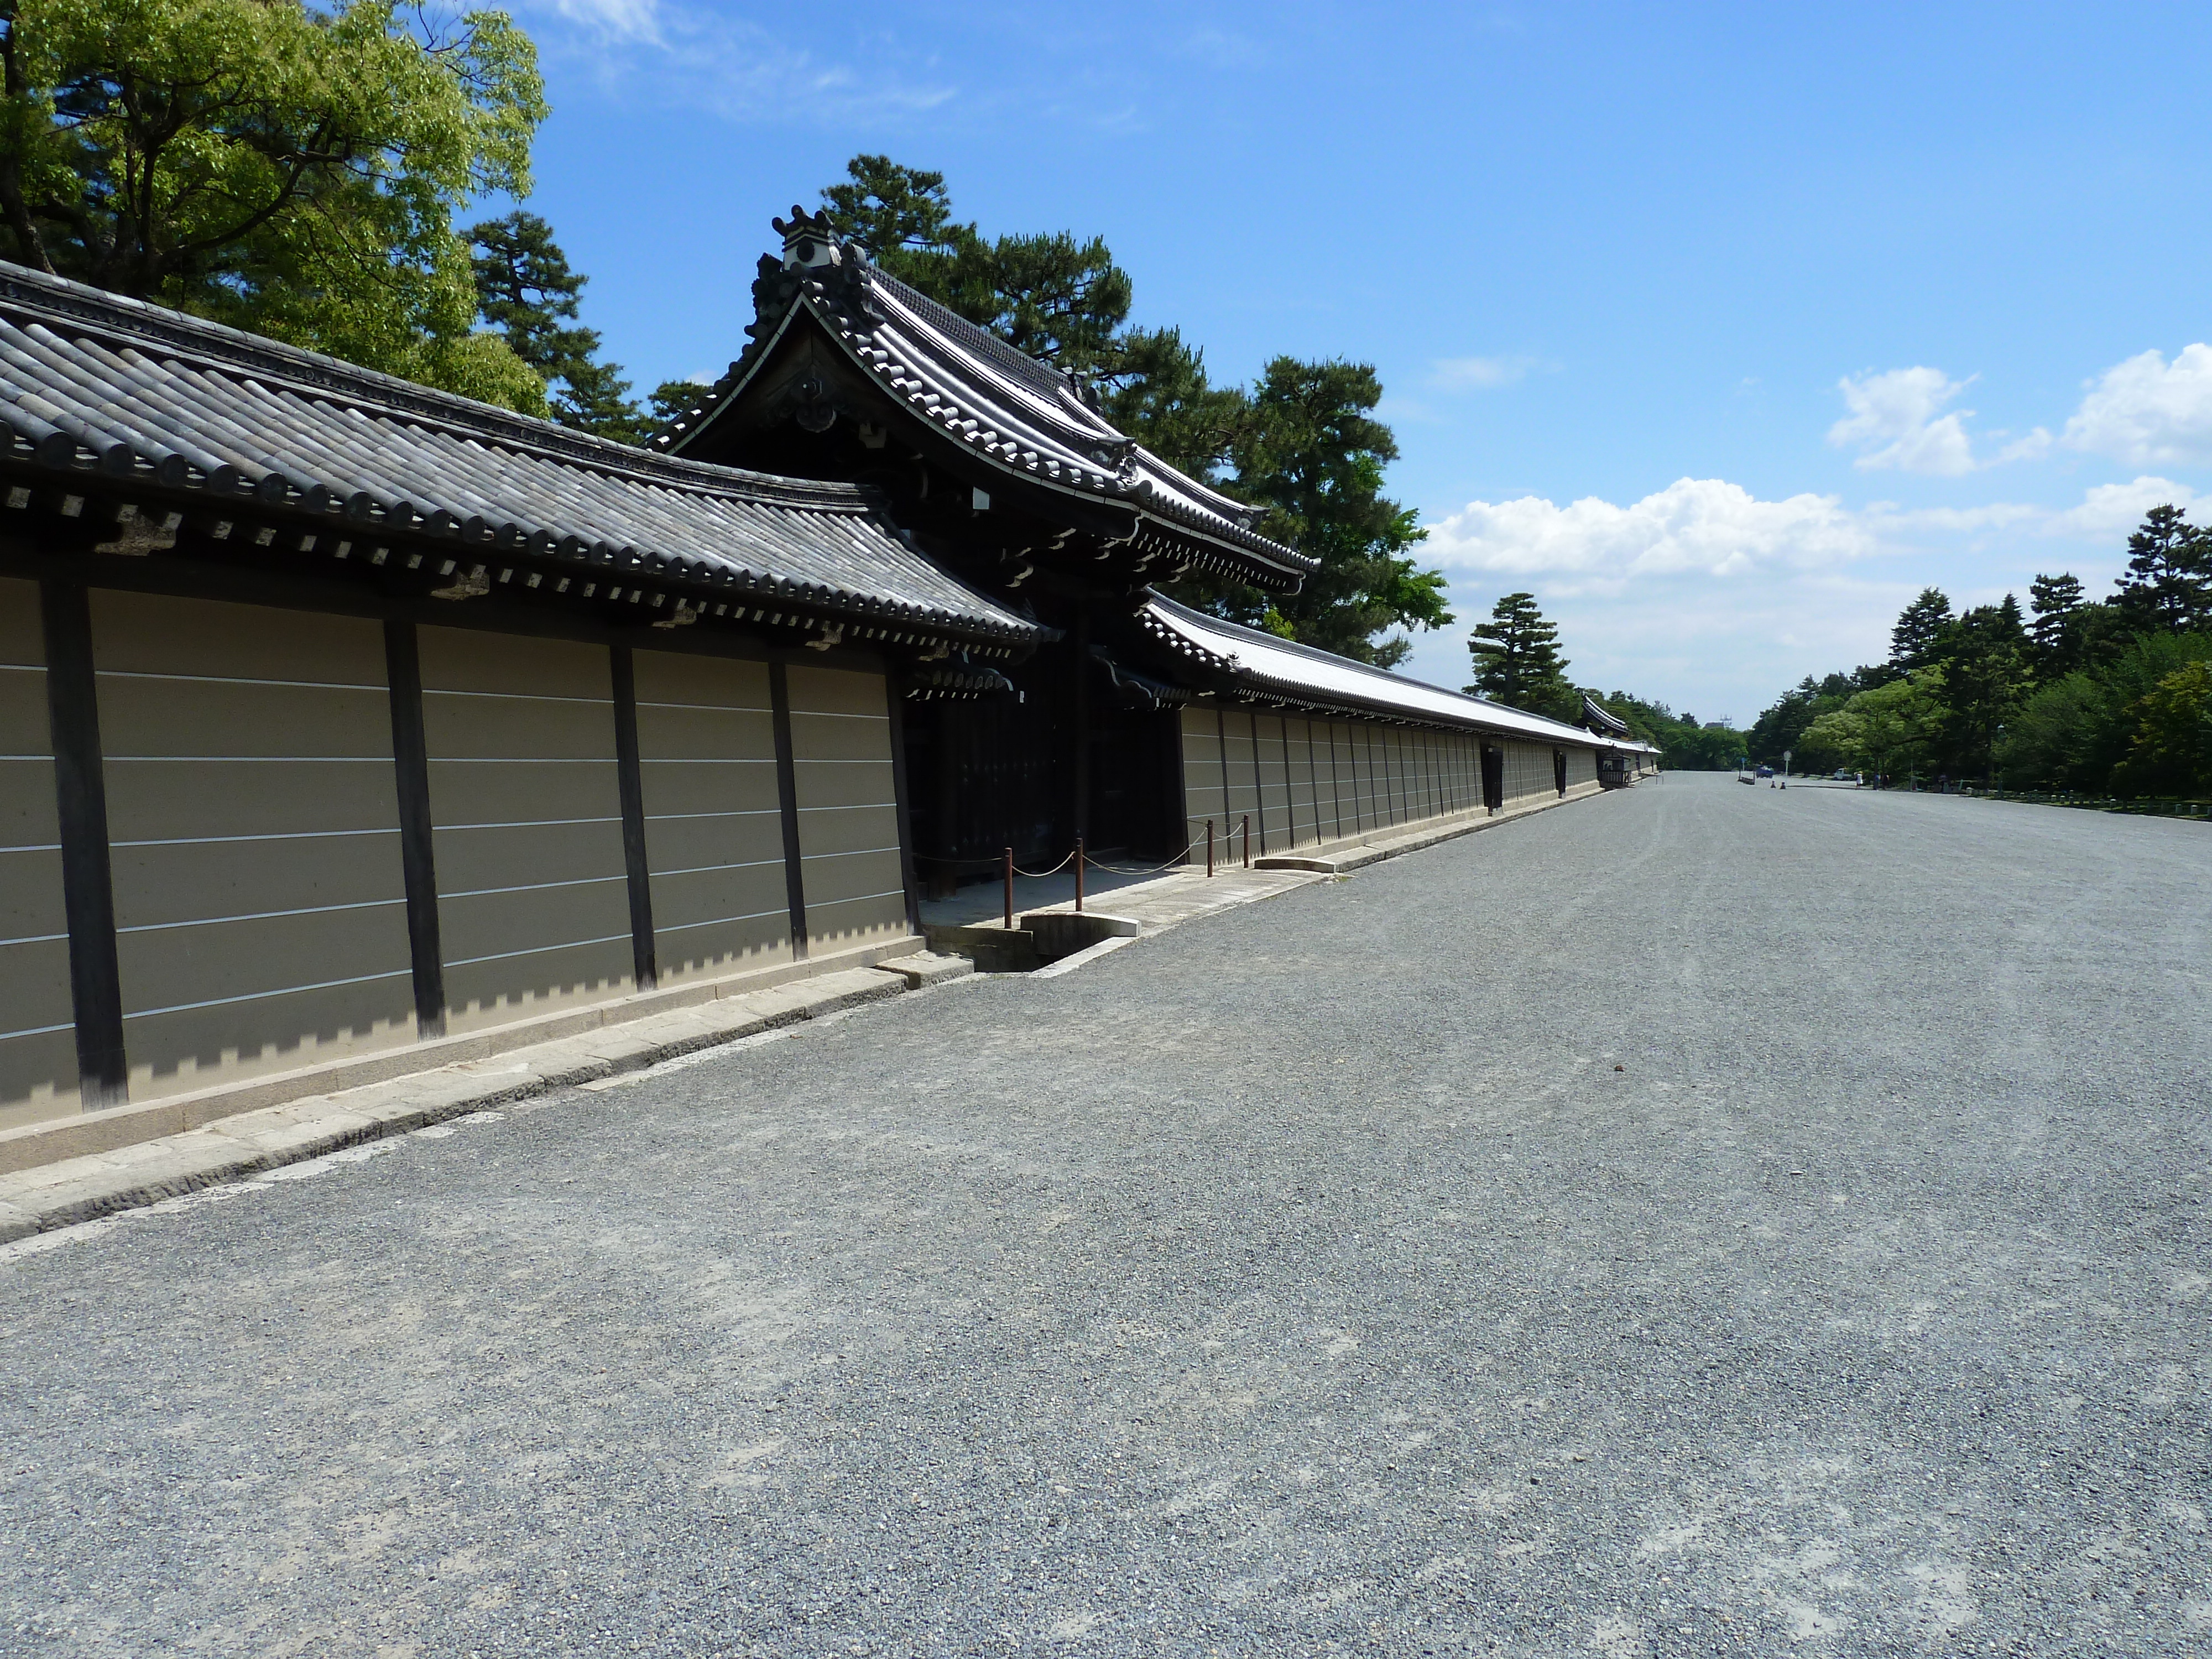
(1724, 329)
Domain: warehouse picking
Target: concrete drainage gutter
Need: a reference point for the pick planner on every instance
(1063, 933)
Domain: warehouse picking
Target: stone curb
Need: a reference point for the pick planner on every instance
(84, 1188)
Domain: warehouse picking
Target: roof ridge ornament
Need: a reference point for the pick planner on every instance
(810, 239)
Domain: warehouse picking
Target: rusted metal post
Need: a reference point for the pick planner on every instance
(1078, 875)
(1247, 841)
(1010, 888)
(1209, 846)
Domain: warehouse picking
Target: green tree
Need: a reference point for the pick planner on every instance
(1517, 661)
(1157, 391)
(1887, 729)
(1783, 727)
(2171, 750)
(1987, 668)
(290, 170)
(2077, 733)
(670, 399)
(1919, 630)
(2057, 604)
(2168, 580)
(526, 290)
(1312, 454)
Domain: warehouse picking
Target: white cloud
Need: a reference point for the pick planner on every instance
(705, 58)
(615, 20)
(1893, 421)
(2109, 512)
(1478, 373)
(1704, 525)
(2148, 412)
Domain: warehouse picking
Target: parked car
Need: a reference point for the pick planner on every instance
(1766, 771)
(1843, 776)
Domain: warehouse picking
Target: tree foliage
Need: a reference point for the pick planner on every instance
(1302, 443)
(290, 170)
(1684, 745)
(1517, 661)
(2168, 582)
(2089, 695)
(526, 290)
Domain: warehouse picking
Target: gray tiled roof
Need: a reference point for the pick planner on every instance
(1279, 670)
(1021, 416)
(124, 393)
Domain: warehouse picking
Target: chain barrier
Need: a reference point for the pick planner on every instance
(1142, 870)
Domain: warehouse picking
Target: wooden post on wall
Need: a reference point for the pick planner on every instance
(894, 704)
(630, 775)
(88, 881)
(1082, 701)
(786, 789)
(1259, 784)
(410, 766)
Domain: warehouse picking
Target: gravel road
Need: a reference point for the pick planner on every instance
(1701, 1219)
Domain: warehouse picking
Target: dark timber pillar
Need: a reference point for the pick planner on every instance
(410, 767)
(1259, 782)
(786, 790)
(630, 773)
(894, 704)
(1081, 703)
(87, 883)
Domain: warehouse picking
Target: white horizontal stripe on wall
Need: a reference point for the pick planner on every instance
(856, 853)
(539, 950)
(522, 824)
(259, 996)
(707, 869)
(39, 1031)
(512, 696)
(257, 915)
(734, 812)
(275, 834)
(532, 887)
(35, 938)
(857, 806)
(858, 898)
(779, 912)
(227, 679)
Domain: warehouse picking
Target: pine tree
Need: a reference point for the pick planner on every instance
(2057, 603)
(2168, 582)
(526, 290)
(1985, 656)
(1517, 661)
(1919, 629)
